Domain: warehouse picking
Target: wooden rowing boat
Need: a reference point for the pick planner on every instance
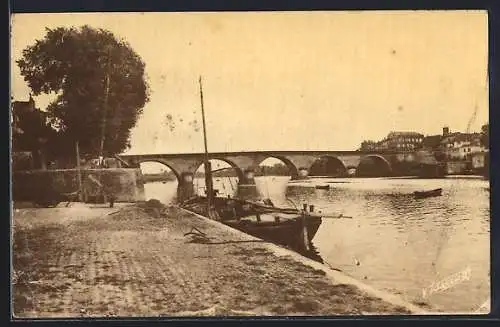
(428, 194)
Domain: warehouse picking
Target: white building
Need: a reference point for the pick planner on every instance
(459, 146)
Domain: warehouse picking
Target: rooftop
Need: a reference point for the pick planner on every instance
(460, 137)
(395, 134)
(431, 141)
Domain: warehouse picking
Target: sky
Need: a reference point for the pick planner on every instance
(291, 80)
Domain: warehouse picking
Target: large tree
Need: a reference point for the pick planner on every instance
(97, 78)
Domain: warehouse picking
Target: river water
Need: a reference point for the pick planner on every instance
(410, 247)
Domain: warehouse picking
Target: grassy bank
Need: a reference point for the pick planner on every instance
(145, 261)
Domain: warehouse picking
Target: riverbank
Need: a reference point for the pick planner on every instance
(141, 261)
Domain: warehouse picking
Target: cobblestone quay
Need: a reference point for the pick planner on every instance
(137, 260)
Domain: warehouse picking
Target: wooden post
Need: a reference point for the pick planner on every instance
(79, 173)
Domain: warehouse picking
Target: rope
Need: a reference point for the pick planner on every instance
(293, 203)
(195, 231)
(267, 188)
(231, 183)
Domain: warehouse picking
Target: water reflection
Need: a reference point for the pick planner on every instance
(165, 192)
(394, 241)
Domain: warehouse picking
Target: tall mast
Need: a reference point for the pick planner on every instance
(203, 120)
(208, 168)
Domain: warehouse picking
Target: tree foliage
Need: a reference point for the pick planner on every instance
(368, 145)
(278, 169)
(485, 135)
(74, 63)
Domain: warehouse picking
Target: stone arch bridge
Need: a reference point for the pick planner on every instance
(300, 163)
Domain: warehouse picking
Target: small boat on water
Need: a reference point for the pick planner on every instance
(323, 187)
(428, 194)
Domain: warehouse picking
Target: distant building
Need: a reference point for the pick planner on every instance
(26, 118)
(432, 142)
(395, 141)
(446, 147)
(461, 146)
(19, 110)
(402, 141)
(446, 131)
(30, 129)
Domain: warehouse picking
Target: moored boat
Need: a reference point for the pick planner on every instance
(284, 229)
(323, 187)
(285, 226)
(428, 194)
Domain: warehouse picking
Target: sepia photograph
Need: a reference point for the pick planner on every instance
(221, 164)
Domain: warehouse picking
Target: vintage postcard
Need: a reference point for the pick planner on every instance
(250, 164)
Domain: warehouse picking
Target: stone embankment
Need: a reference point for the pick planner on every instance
(141, 260)
(126, 184)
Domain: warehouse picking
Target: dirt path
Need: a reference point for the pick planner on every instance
(134, 263)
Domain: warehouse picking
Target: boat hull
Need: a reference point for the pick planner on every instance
(288, 228)
(288, 233)
(428, 194)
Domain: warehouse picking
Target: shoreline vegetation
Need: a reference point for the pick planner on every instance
(146, 259)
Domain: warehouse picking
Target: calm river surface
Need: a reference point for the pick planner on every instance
(393, 241)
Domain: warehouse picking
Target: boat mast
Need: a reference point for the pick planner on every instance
(208, 168)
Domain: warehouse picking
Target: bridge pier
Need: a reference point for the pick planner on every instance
(247, 178)
(247, 189)
(303, 173)
(185, 186)
(351, 171)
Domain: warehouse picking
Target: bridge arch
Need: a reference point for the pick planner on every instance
(237, 169)
(160, 181)
(374, 165)
(292, 169)
(222, 182)
(158, 161)
(328, 165)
